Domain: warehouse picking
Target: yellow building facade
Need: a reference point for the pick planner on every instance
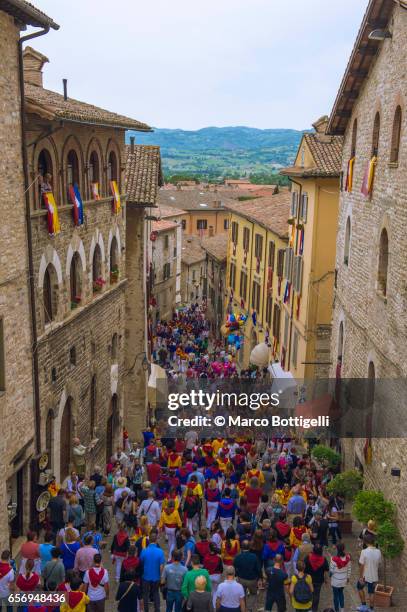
(258, 239)
(309, 270)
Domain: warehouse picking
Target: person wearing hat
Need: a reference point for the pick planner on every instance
(121, 486)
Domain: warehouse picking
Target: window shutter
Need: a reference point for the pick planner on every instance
(304, 207)
(286, 326)
(298, 274)
(294, 203)
(286, 262)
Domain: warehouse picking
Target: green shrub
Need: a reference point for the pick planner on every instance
(390, 543)
(347, 484)
(371, 505)
(326, 455)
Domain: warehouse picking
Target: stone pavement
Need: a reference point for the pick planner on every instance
(351, 596)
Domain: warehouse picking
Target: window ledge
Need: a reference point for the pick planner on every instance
(393, 164)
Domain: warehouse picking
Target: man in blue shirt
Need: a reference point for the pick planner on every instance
(153, 561)
(296, 504)
(200, 477)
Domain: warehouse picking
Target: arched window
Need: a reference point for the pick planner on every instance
(383, 262)
(112, 174)
(376, 135)
(115, 345)
(75, 280)
(50, 294)
(93, 172)
(114, 261)
(347, 242)
(45, 175)
(395, 137)
(72, 169)
(98, 282)
(354, 137)
(93, 396)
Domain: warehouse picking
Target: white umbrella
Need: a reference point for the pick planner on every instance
(260, 355)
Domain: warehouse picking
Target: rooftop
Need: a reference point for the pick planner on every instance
(192, 251)
(191, 199)
(363, 55)
(216, 246)
(163, 225)
(27, 13)
(143, 174)
(53, 106)
(169, 211)
(271, 212)
(325, 150)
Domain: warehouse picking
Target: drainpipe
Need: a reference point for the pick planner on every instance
(37, 408)
(295, 253)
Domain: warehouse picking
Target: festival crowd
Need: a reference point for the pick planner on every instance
(232, 524)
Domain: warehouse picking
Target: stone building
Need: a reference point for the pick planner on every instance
(309, 271)
(216, 250)
(76, 151)
(193, 270)
(165, 240)
(143, 178)
(370, 309)
(18, 442)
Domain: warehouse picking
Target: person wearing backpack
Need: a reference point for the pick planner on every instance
(301, 589)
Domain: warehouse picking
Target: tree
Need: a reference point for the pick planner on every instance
(326, 455)
(390, 543)
(371, 505)
(347, 483)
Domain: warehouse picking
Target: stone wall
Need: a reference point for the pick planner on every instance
(16, 397)
(375, 325)
(164, 290)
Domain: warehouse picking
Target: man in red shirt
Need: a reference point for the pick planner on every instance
(154, 471)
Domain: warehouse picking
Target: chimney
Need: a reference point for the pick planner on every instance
(65, 84)
(132, 139)
(211, 232)
(321, 124)
(33, 62)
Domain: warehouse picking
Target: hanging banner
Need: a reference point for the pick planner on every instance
(116, 197)
(94, 188)
(368, 178)
(349, 175)
(76, 200)
(52, 217)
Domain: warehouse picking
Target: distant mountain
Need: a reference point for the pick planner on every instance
(214, 152)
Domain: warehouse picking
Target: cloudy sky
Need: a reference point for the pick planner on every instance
(194, 63)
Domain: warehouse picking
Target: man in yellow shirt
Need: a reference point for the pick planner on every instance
(169, 521)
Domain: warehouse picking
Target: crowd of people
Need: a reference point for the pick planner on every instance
(208, 523)
(235, 524)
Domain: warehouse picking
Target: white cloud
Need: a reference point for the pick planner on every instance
(263, 63)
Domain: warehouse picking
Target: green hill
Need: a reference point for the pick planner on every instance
(212, 153)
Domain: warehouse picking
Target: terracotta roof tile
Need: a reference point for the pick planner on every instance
(143, 174)
(327, 154)
(163, 225)
(191, 199)
(216, 246)
(169, 211)
(192, 251)
(27, 13)
(272, 212)
(52, 103)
